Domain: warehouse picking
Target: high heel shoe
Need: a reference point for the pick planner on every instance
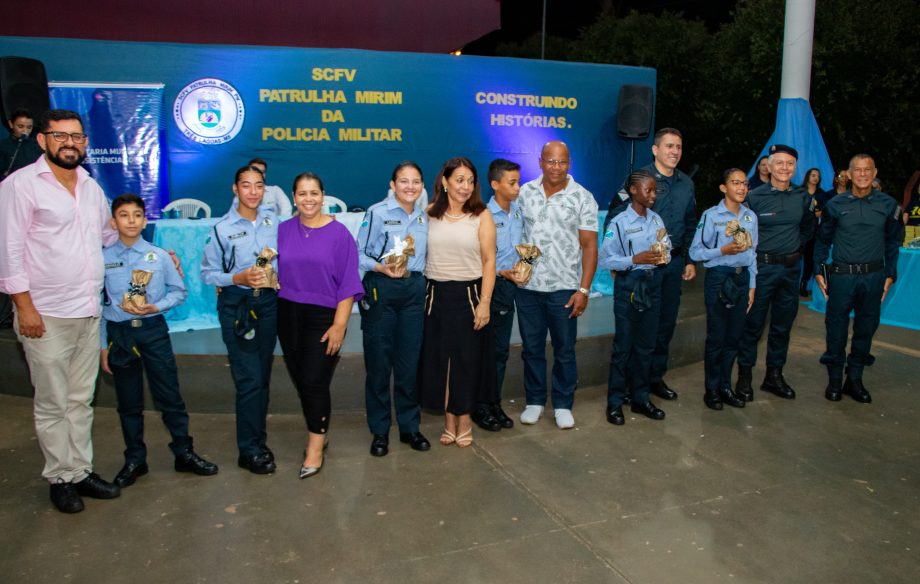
(465, 439)
(447, 438)
(309, 471)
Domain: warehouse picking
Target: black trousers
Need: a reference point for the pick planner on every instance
(862, 294)
(152, 341)
(300, 328)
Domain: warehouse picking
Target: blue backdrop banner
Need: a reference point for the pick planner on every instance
(352, 115)
(125, 127)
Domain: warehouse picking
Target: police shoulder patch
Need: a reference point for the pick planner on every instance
(151, 257)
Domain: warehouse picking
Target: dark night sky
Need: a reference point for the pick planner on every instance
(565, 18)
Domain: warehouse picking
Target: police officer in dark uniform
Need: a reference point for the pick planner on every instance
(676, 204)
(785, 215)
(864, 229)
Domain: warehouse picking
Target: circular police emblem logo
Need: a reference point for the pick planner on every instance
(209, 111)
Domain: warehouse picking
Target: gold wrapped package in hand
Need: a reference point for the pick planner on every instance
(524, 266)
(741, 236)
(662, 246)
(137, 290)
(264, 261)
(398, 256)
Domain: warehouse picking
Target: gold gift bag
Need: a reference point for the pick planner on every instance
(264, 261)
(739, 234)
(523, 268)
(137, 289)
(663, 245)
(398, 256)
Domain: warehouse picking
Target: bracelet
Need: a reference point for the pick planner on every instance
(583, 291)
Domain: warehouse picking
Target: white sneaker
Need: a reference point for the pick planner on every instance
(564, 419)
(531, 414)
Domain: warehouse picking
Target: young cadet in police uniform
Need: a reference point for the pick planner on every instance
(862, 230)
(786, 219)
(246, 308)
(636, 297)
(135, 339)
(505, 179)
(393, 310)
(676, 205)
(731, 276)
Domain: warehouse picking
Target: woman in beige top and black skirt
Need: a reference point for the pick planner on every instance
(457, 365)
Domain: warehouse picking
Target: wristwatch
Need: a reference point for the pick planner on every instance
(583, 291)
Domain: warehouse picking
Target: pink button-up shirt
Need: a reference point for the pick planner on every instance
(52, 241)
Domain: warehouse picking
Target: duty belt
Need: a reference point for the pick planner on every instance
(865, 268)
(786, 259)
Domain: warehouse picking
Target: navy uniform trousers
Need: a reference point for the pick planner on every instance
(778, 293)
(502, 320)
(634, 336)
(861, 293)
(250, 360)
(672, 280)
(724, 326)
(151, 337)
(392, 320)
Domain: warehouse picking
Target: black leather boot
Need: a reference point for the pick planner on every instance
(743, 386)
(774, 382)
(834, 391)
(854, 388)
(712, 400)
(729, 397)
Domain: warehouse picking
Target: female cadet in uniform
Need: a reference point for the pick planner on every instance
(636, 297)
(318, 274)
(457, 366)
(731, 275)
(246, 308)
(393, 309)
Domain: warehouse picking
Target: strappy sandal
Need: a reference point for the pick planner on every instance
(465, 439)
(447, 438)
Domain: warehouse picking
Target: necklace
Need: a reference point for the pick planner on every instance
(305, 230)
(460, 216)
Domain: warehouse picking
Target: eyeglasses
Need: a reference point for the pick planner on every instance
(77, 137)
(555, 162)
(737, 183)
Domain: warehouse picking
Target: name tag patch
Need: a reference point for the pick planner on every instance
(114, 265)
(238, 235)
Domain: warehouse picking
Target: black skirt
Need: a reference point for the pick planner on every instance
(457, 364)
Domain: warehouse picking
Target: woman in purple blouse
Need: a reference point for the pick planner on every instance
(318, 274)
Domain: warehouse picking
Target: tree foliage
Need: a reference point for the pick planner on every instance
(721, 88)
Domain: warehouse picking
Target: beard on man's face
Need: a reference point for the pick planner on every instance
(67, 158)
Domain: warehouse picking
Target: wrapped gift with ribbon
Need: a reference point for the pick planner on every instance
(523, 268)
(398, 256)
(741, 235)
(264, 261)
(137, 290)
(662, 245)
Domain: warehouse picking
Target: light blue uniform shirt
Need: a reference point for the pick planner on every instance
(627, 235)
(710, 237)
(165, 289)
(234, 245)
(509, 231)
(382, 223)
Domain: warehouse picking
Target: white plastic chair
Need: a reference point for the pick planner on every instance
(188, 208)
(329, 201)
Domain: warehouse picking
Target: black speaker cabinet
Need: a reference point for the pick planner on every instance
(634, 112)
(23, 84)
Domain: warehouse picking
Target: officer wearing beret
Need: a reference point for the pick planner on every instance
(785, 215)
(862, 230)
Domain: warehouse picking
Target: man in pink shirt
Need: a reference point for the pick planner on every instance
(54, 219)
